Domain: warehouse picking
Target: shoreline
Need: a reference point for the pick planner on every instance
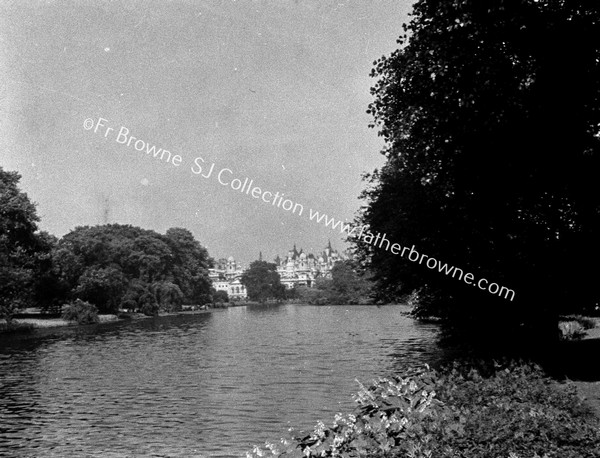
(31, 324)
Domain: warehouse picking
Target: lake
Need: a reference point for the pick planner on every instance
(205, 385)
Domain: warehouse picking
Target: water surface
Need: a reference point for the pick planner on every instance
(208, 385)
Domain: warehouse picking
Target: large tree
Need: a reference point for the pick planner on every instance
(190, 265)
(490, 113)
(347, 285)
(262, 282)
(19, 245)
(120, 265)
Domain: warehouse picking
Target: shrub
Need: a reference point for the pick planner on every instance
(571, 330)
(148, 305)
(585, 322)
(467, 410)
(129, 305)
(81, 311)
(149, 309)
(168, 296)
(220, 296)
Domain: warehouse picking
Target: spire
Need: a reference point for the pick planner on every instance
(295, 251)
(260, 256)
(329, 245)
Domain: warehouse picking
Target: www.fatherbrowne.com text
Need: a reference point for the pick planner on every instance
(410, 253)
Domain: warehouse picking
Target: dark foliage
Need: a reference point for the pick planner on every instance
(262, 282)
(80, 311)
(346, 286)
(490, 112)
(23, 250)
(220, 296)
(119, 266)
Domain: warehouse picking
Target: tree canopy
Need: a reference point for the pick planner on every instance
(25, 252)
(262, 282)
(346, 286)
(114, 266)
(491, 119)
(22, 247)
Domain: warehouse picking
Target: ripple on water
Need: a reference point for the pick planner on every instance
(195, 385)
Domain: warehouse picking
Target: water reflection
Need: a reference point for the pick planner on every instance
(196, 385)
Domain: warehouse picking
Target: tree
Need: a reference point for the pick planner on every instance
(346, 286)
(262, 282)
(48, 290)
(116, 266)
(490, 114)
(168, 296)
(18, 245)
(220, 296)
(190, 265)
(104, 287)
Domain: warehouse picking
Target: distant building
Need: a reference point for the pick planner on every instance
(301, 269)
(226, 276)
(296, 269)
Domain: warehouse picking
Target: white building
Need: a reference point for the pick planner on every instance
(226, 276)
(301, 269)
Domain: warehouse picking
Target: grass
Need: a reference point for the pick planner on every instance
(23, 324)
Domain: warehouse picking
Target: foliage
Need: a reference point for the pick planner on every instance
(47, 292)
(149, 308)
(571, 330)
(168, 296)
(148, 305)
(346, 286)
(21, 246)
(80, 311)
(262, 282)
(585, 322)
(124, 266)
(490, 114)
(509, 410)
(313, 296)
(109, 265)
(220, 296)
(102, 286)
(190, 265)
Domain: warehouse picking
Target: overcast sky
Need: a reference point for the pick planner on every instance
(274, 91)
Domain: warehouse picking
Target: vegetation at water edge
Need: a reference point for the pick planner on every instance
(466, 410)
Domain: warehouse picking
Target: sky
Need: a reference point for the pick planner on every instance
(93, 94)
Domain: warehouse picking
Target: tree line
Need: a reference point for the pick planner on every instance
(345, 285)
(111, 266)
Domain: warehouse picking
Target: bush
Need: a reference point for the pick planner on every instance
(585, 322)
(471, 411)
(168, 296)
(148, 305)
(149, 309)
(220, 296)
(129, 305)
(81, 311)
(571, 330)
